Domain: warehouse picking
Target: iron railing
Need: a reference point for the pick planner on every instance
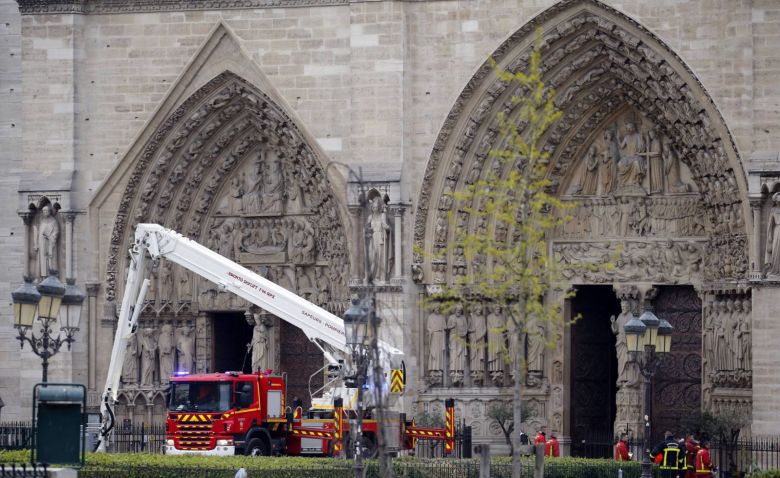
(746, 456)
(138, 438)
(15, 435)
(435, 448)
(22, 470)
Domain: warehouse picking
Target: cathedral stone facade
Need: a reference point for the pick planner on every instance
(230, 122)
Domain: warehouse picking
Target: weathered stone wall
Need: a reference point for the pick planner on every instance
(371, 81)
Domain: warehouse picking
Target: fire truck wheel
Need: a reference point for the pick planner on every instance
(258, 447)
(368, 447)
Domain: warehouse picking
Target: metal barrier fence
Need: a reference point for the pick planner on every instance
(435, 448)
(15, 435)
(22, 470)
(746, 456)
(138, 438)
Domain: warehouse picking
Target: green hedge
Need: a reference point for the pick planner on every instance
(143, 465)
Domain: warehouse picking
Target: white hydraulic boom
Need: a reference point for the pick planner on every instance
(153, 241)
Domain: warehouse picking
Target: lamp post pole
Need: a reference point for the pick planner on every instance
(648, 339)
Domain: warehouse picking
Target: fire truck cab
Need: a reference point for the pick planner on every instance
(226, 413)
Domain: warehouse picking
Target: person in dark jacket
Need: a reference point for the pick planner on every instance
(667, 455)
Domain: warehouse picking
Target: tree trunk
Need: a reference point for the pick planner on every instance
(517, 409)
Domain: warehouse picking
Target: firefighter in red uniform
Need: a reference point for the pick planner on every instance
(703, 463)
(691, 448)
(621, 449)
(552, 448)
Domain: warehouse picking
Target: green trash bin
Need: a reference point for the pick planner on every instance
(58, 423)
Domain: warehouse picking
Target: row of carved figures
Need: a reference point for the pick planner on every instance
(476, 346)
(151, 355)
(154, 353)
(293, 237)
(727, 338)
(636, 217)
(618, 164)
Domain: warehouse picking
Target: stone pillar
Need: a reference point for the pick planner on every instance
(69, 219)
(27, 218)
(757, 262)
(766, 355)
(398, 269)
(92, 291)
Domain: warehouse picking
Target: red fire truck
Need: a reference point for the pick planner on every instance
(236, 413)
(233, 412)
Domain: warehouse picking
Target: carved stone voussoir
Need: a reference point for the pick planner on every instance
(664, 261)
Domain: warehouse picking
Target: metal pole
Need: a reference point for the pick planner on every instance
(647, 368)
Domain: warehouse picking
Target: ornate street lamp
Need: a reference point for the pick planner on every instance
(356, 321)
(648, 339)
(50, 298)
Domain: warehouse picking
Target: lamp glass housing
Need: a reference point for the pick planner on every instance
(51, 290)
(25, 299)
(665, 331)
(651, 332)
(72, 303)
(635, 333)
(356, 324)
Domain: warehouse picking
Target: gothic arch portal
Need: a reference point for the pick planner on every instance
(224, 162)
(685, 228)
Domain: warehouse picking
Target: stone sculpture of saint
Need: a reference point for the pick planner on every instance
(436, 327)
(496, 339)
(627, 376)
(772, 257)
(608, 162)
(631, 168)
(166, 282)
(674, 182)
(130, 363)
(148, 349)
(536, 340)
(745, 344)
(236, 194)
(478, 340)
(185, 348)
(459, 329)
(166, 351)
(589, 181)
(259, 344)
(721, 338)
(273, 184)
(379, 241)
(656, 162)
(46, 237)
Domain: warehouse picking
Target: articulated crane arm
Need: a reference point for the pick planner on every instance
(153, 241)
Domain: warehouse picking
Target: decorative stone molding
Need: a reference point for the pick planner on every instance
(597, 82)
(41, 7)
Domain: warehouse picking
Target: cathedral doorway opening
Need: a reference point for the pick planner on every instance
(594, 367)
(300, 359)
(231, 335)
(677, 384)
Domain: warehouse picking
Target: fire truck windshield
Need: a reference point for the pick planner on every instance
(200, 397)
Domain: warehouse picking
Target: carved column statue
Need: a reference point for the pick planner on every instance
(166, 350)
(185, 349)
(497, 348)
(436, 326)
(148, 350)
(130, 364)
(459, 328)
(260, 339)
(477, 343)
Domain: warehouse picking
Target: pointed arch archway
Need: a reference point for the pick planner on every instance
(687, 226)
(225, 162)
